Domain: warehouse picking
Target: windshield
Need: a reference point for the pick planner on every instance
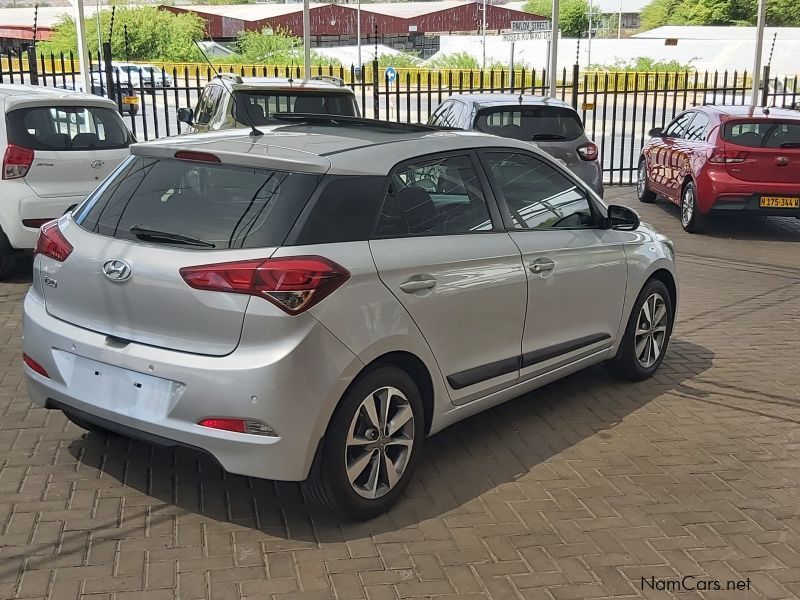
(261, 105)
(530, 123)
(66, 128)
(205, 206)
(763, 134)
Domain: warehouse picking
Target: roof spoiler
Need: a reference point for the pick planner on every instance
(330, 79)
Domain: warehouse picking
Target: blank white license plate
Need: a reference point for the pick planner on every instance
(117, 389)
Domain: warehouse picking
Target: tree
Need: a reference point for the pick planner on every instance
(153, 34)
(718, 12)
(573, 15)
(274, 47)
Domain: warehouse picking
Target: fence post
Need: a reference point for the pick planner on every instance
(33, 67)
(576, 73)
(108, 71)
(375, 94)
(765, 89)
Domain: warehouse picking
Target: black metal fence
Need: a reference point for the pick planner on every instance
(618, 108)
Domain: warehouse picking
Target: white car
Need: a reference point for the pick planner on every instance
(57, 147)
(781, 92)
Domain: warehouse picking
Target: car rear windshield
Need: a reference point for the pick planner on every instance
(65, 128)
(199, 205)
(530, 123)
(260, 106)
(763, 134)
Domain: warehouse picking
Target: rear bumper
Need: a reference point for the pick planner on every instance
(292, 387)
(750, 205)
(717, 191)
(21, 203)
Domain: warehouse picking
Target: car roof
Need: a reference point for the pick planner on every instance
(316, 148)
(738, 111)
(491, 100)
(279, 83)
(18, 95)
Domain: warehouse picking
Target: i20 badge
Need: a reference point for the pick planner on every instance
(117, 270)
(98, 164)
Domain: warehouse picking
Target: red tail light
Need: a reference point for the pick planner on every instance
(294, 284)
(722, 157)
(588, 151)
(34, 366)
(17, 162)
(196, 156)
(239, 426)
(52, 243)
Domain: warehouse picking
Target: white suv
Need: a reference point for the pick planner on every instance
(57, 147)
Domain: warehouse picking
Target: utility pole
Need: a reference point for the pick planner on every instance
(589, 43)
(483, 28)
(553, 66)
(358, 33)
(307, 38)
(83, 49)
(619, 22)
(754, 95)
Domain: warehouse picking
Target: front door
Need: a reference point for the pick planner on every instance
(576, 269)
(443, 253)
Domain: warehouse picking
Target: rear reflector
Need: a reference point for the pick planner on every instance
(52, 243)
(250, 426)
(17, 162)
(588, 151)
(722, 157)
(36, 223)
(197, 156)
(293, 284)
(34, 366)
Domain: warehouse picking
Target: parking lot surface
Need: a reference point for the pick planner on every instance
(588, 488)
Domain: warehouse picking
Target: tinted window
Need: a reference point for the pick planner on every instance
(441, 196)
(677, 129)
(220, 206)
(537, 123)
(260, 106)
(67, 128)
(202, 112)
(538, 196)
(439, 115)
(344, 210)
(763, 134)
(697, 129)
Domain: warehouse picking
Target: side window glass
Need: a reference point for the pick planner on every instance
(200, 115)
(696, 132)
(434, 197)
(677, 129)
(538, 196)
(437, 116)
(457, 115)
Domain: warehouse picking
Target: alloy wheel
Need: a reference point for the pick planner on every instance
(641, 181)
(651, 330)
(687, 206)
(379, 442)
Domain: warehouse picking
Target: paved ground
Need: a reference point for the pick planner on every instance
(579, 490)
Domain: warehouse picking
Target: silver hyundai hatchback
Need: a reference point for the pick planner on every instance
(311, 304)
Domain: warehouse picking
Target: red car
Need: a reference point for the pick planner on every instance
(715, 159)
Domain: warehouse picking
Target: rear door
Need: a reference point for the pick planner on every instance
(440, 249)
(766, 150)
(75, 147)
(131, 239)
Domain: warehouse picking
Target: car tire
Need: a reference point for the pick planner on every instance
(691, 219)
(86, 424)
(367, 488)
(647, 334)
(643, 190)
(8, 257)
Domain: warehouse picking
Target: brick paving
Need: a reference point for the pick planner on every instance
(578, 490)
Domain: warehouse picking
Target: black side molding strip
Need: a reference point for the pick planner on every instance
(482, 373)
(537, 356)
(475, 375)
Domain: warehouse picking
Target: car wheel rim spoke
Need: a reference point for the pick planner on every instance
(651, 331)
(379, 442)
(640, 184)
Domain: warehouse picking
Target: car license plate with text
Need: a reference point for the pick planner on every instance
(779, 202)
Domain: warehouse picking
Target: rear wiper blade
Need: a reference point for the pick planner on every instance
(144, 233)
(547, 136)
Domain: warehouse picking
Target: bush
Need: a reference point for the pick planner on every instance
(644, 64)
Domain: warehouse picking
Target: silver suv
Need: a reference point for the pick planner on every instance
(313, 303)
(229, 101)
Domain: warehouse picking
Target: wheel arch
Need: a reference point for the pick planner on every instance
(668, 279)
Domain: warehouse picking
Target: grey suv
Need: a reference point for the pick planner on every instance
(313, 303)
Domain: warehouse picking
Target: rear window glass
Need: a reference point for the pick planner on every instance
(199, 205)
(64, 128)
(260, 106)
(530, 123)
(763, 134)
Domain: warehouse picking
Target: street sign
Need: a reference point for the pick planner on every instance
(521, 36)
(390, 74)
(531, 26)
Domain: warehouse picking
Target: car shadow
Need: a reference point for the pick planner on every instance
(460, 464)
(742, 227)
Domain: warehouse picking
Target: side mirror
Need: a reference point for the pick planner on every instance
(186, 115)
(622, 218)
(656, 132)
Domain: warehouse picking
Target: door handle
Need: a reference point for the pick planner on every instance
(541, 265)
(417, 285)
